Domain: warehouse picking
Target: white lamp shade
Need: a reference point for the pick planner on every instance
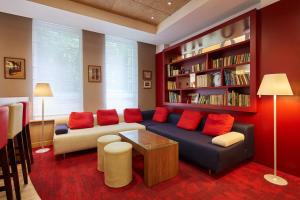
(275, 84)
(42, 90)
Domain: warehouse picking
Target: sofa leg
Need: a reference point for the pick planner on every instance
(209, 171)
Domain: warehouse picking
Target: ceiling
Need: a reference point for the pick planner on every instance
(194, 17)
(149, 11)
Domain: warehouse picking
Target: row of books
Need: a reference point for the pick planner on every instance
(236, 78)
(171, 85)
(173, 70)
(174, 97)
(231, 60)
(209, 80)
(236, 99)
(216, 99)
(198, 67)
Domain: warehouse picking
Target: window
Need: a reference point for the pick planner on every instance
(121, 73)
(57, 60)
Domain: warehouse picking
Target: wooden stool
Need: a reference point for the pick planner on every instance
(14, 131)
(26, 136)
(117, 164)
(3, 153)
(101, 143)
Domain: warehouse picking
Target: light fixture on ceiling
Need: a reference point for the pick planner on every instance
(169, 3)
(152, 17)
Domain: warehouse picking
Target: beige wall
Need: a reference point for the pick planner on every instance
(93, 54)
(146, 61)
(15, 41)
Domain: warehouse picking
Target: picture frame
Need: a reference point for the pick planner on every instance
(94, 74)
(147, 75)
(14, 68)
(147, 84)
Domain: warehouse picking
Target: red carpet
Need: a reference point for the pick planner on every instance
(76, 177)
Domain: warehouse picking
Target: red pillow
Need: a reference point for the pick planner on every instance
(218, 124)
(107, 117)
(189, 120)
(161, 114)
(133, 115)
(79, 120)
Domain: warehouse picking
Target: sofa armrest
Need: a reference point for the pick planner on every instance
(148, 114)
(248, 131)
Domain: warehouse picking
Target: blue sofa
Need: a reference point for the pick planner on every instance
(197, 147)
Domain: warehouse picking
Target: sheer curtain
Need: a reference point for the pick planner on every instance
(57, 60)
(121, 73)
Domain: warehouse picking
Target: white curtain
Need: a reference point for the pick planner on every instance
(57, 60)
(121, 73)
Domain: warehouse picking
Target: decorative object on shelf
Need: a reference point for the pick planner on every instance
(147, 75)
(14, 68)
(94, 73)
(217, 79)
(147, 84)
(275, 84)
(42, 90)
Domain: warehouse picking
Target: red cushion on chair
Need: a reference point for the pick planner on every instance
(132, 115)
(79, 120)
(25, 113)
(218, 124)
(107, 117)
(3, 126)
(161, 114)
(189, 120)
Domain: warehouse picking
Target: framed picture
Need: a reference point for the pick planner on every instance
(147, 85)
(94, 74)
(14, 68)
(147, 75)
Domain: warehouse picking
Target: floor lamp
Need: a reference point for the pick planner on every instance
(42, 90)
(275, 84)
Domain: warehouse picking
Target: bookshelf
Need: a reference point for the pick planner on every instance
(215, 70)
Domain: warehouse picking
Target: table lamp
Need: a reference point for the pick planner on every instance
(42, 90)
(275, 84)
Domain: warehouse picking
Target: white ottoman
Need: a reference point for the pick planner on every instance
(101, 143)
(117, 164)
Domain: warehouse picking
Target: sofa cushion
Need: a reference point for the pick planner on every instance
(61, 129)
(107, 117)
(78, 120)
(150, 122)
(228, 139)
(132, 115)
(218, 124)
(161, 114)
(189, 120)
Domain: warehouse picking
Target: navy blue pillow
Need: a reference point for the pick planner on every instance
(61, 129)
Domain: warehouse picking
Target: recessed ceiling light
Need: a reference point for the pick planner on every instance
(152, 17)
(169, 3)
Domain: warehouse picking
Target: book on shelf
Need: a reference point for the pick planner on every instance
(171, 85)
(237, 99)
(236, 78)
(217, 99)
(174, 97)
(204, 80)
(230, 60)
(192, 80)
(198, 67)
(193, 97)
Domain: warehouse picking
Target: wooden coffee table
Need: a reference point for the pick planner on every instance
(160, 154)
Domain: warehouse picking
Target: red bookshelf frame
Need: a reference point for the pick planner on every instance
(249, 44)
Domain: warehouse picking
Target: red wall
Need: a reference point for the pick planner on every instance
(278, 50)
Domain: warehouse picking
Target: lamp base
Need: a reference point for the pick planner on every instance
(277, 180)
(42, 150)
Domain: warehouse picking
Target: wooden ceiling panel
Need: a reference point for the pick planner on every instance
(142, 10)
